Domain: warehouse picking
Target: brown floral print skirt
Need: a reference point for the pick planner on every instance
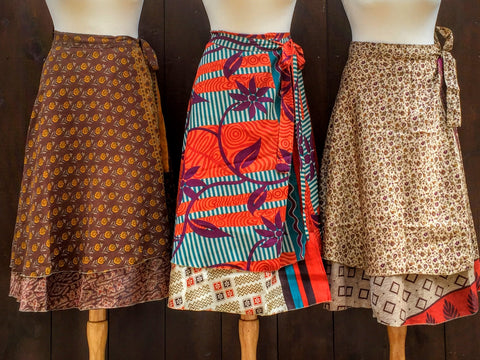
(91, 229)
(393, 190)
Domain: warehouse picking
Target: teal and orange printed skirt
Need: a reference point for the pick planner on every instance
(247, 234)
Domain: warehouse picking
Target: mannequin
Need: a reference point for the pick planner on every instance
(250, 17)
(106, 17)
(401, 22)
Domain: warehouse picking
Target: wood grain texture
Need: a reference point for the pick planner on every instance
(425, 342)
(193, 335)
(152, 29)
(137, 332)
(357, 335)
(186, 34)
(461, 339)
(309, 30)
(25, 30)
(306, 334)
(461, 336)
(230, 342)
(68, 335)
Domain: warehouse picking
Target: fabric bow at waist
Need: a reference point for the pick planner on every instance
(448, 70)
(290, 62)
(149, 55)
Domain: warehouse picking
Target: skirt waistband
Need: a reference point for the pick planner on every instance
(250, 42)
(360, 49)
(91, 40)
(86, 41)
(368, 50)
(440, 52)
(290, 62)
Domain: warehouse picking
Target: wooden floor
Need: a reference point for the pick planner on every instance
(178, 30)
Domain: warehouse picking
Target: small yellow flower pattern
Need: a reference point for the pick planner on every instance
(92, 195)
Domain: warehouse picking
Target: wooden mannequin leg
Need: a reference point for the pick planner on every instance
(248, 327)
(97, 331)
(396, 338)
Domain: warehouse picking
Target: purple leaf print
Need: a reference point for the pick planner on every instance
(195, 182)
(450, 311)
(262, 91)
(242, 88)
(232, 64)
(472, 302)
(289, 111)
(242, 106)
(204, 228)
(430, 319)
(307, 150)
(190, 172)
(252, 87)
(287, 156)
(251, 111)
(278, 221)
(268, 223)
(251, 98)
(189, 192)
(257, 199)
(260, 107)
(274, 235)
(282, 168)
(195, 99)
(239, 97)
(247, 156)
(269, 243)
(262, 232)
(263, 98)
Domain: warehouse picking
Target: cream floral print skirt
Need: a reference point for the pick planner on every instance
(398, 229)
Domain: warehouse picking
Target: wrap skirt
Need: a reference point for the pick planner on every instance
(397, 225)
(91, 230)
(247, 237)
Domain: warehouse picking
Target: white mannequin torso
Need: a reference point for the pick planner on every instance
(250, 16)
(392, 21)
(102, 17)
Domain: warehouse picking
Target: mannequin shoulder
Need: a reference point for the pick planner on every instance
(386, 2)
(76, 3)
(245, 3)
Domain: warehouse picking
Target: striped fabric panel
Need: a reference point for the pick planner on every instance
(222, 250)
(243, 71)
(215, 108)
(250, 86)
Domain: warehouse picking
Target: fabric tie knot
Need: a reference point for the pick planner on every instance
(149, 55)
(290, 51)
(291, 63)
(448, 69)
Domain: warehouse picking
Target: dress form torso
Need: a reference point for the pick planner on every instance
(392, 21)
(105, 17)
(250, 16)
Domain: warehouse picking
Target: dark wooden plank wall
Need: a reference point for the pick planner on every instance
(178, 30)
